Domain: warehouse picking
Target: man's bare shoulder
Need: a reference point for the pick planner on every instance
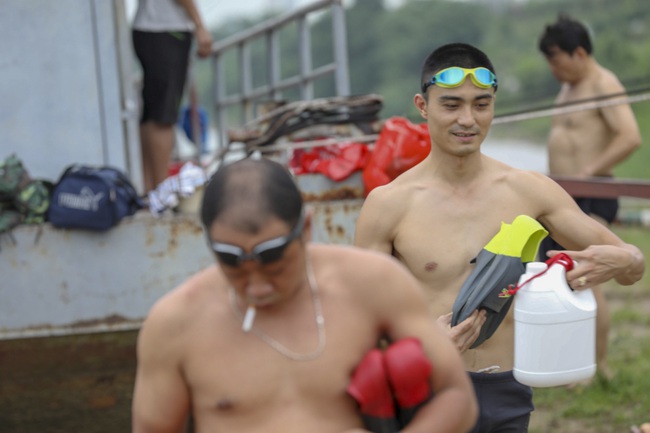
(524, 182)
(394, 189)
(172, 309)
(606, 82)
(396, 194)
(356, 261)
(350, 256)
(361, 271)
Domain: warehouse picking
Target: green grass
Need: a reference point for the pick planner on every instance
(614, 405)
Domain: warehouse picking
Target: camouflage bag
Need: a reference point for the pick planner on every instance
(33, 201)
(22, 200)
(13, 177)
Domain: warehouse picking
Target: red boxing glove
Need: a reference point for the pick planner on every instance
(369, 387)
(409, 371)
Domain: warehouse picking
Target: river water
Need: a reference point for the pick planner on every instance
(520, 154)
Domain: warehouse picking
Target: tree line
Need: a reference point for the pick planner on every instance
(387, 46)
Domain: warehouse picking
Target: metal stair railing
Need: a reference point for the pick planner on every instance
(272, 90)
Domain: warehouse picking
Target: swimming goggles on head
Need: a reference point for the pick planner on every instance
(265, 252)
(455, 76)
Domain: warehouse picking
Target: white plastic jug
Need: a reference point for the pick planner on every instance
(555, 329)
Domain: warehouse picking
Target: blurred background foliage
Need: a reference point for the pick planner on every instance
(387, 46)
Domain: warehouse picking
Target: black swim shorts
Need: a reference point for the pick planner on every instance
(605, 208)
(164, 57)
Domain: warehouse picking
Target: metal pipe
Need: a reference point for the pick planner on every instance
(264, 27)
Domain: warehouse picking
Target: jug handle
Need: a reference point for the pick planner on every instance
(561, 259)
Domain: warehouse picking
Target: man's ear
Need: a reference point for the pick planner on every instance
(420, 104)
(581, 53)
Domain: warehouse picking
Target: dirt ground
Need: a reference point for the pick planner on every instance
(67, 384)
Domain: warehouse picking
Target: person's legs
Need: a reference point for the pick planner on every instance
(602, 325)
(602, 331)
(164, 57)
(157, 147)
(604, 211)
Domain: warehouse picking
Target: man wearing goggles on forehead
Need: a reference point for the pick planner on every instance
(438, 216)
(455, 76)
(280, 335)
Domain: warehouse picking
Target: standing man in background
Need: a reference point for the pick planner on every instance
(587, 143)
(162, 38)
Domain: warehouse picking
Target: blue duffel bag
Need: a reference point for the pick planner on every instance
(92, 198)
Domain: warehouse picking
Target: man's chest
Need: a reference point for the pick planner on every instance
(439, 249)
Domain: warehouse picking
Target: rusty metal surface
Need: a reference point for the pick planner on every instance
(62, 282)
(57, 282)
(317, 187)
(333, 222)
(334, 206)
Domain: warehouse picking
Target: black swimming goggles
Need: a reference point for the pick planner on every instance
(265, 252)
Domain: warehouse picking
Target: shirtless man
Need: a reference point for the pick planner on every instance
(436, 217)
(267, 339)
(587, 143)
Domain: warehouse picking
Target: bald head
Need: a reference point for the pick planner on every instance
(246, 193)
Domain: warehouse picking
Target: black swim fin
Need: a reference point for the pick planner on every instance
(499, 264)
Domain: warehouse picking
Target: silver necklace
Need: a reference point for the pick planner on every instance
(320, 322)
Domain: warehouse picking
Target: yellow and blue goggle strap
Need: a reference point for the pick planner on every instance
(455, 76)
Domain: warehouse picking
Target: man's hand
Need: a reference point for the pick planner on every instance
(466, 332)
(204, 42)
(597, 264)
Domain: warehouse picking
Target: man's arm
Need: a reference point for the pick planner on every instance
(601, 255)
(160, 398)
(453, 407)
(202, 35)
(388, 289)
(619, 119)
(374, 228)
